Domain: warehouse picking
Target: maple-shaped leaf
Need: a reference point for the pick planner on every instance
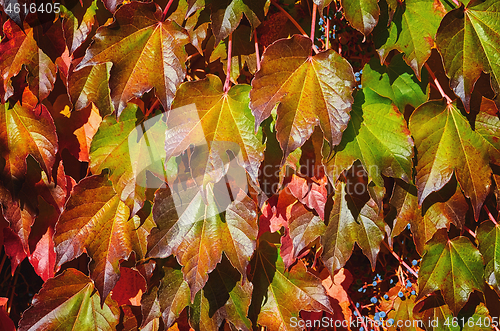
(322, 4)
(128, 290)
(488, 126)
(203, 115)
(128, 147)
(224, 297)
(311, 193)
(481, 317)
(227, 14)
(89, 84)
(95, 220)
(403, 311)
(362, 14)
(19, 49)
(68, 302)
(311, 91)
(446, 263)
(75, 33)
(488, 236)
(377, 135)
(197, 30)
(396, 81)
(411, 31)
(448, 206)
(353, 219)
(468, 40)
(433, 313)
(197, 232)
(25, 131)
(446, 144)
(136, 42)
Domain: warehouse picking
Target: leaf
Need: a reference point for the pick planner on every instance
(75, 33)
(95, 220)
(173, 295)
(481, 315)
(305, 227)
(86, 133)
(403, 311)
(445, 144)
(25, 131)
(197, 32)
(139, 36)
(434, 313)
(89, 84)
(362, 14)
(488, 126)
(280, 295)
(129, 288)
(322, 4)
(19, 49)
(447, 263)
(311, 91)
(351, 220)
(396, 81)
(468, 40)
(129, 147)
(197, 233)
(377, 135)
(67, 302)
(411, 31)
(204, 115)
(226, 15)
(311, 193)
(224, 297)
(488, 236)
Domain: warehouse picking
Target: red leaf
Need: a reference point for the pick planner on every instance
(43, 258)
(311, 193)
(130, 287)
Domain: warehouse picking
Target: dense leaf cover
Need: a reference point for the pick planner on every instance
(250, 165)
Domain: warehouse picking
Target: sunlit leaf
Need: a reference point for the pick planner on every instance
(362, 14)
(488, 126)
(76, 32)
(488, 237)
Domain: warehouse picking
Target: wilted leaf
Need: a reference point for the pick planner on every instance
(411, 31)
(396, 81)
(351, 220)
(311, 91)
(95, 220)
(224, 297)
(197, 233)
(447, 263)
(68, 302)
(280, 295)
(468, 40)
(19, 49)
(446, 144)
(362, 14)
(26, 131)
(202, 114)
(138, 36)
(377, 135)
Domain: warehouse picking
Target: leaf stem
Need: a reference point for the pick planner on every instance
(327, 31)
(152, 108)
(490, 216)
(472, 233)
(440, 89)
(401, 260)
(257, 54)
(313, 22)
(229, 57)
(456, 3)
(164, 15)
(297, 25)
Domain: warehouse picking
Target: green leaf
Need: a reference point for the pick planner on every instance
(224, 297)
(90, 84)
(136, 42)
(362, 14)
(468, 40)
(352, 219)
(129, 147)
(435, 314)
(377, 135)
(396, 81)
(488, 126)
(68, 302)
(25, 131)
(403, 311)
(411, 31)
(203, 115)
(488, 236)
(310, 90)
(322, 4)
(226, 15)
(447, 263)
(19, 49)
(480, 320)
(280, 295)
(197, 233)
(446, 144)
(173, 295)
(95, 220)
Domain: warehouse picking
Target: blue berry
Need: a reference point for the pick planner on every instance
(374, 283)
(408, 283)
(413, 292)
(408, 226)
(400, 294)
(357, 304)
(360, 289)
(414, 262)
(361, 329)
(373, 300)
(386, 297)
(382, 314)
(364, 290)
(376, 317)
(390, 321)
(391, 281)
(355, 313)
